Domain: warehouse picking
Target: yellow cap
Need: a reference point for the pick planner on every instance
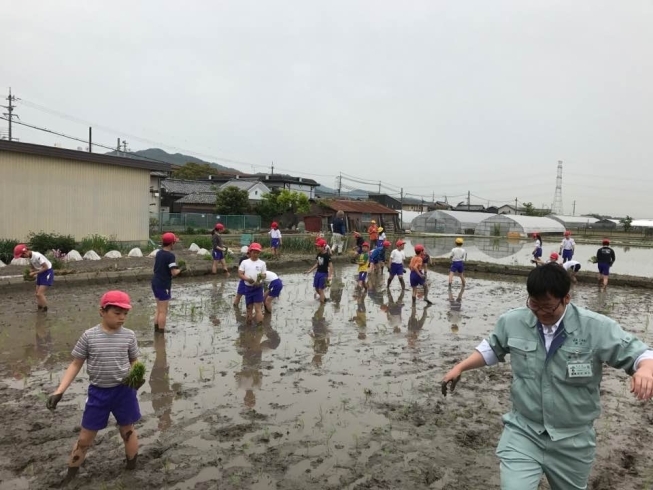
(459, 241)
(380, 228)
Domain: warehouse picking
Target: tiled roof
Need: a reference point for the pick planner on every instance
(245, 185)
(198, 198)
(185, 187)
(370, 207)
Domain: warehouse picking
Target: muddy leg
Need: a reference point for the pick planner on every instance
(130, 438)
(78, 454)
(450, 278)
(258, 310)
(237, 300)
(214, 267)
(40, 297)
(250, 314)
(161, 314)
(224, 266)
(462, 279)
(402, 282)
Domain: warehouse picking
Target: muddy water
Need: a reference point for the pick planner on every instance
(339, 396)
(634, 261)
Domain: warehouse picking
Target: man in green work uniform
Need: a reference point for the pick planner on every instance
(557, 351)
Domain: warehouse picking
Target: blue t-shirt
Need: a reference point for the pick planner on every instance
(164, 262)
(378, 253)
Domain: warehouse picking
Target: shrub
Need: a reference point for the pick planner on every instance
(44, 242)
(98, 243)
(202, 241)
(7, 250)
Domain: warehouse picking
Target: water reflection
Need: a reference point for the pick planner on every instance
(163, 394)
(250, 346)
(393, 311)
(360, 319)
(415, 325)
(321, 336)
(455, 305)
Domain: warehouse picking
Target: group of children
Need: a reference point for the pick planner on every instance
(605, 257)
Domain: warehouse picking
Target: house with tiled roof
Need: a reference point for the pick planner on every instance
(358, 215)
(172, 190)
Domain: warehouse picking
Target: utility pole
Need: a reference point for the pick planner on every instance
(339, 184)
(379, 187)
(574, 212)
(401, 225)
(90, 139)
(515, 205)
(118, 148)
(9, 114)
(272, 169)
(124, 146)
(468, 198)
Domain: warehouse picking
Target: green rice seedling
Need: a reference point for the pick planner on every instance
(136, 376)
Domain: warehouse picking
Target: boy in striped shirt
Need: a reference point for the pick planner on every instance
(109, 351)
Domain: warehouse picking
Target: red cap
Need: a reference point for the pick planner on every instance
(535, 233)
(365, 244)
(116, 298)
(567, 233)
(419, 248)
(169, 238)
(255, 247)
(606, 241)
(386, 243)
(554, 256)
(400, 242)
(219, 226)
(275, 224)
(19, 249)
(320, 242)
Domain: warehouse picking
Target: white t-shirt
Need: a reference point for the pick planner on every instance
(382, 236)
(538, 244)
(270, 276)
(38, 259)
(567, 243)
(275, 233)
(458, 254)
(397, 256)
(252, 269)
(569, 264)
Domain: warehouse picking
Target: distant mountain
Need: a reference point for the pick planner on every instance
(174, 159)
(329, 193)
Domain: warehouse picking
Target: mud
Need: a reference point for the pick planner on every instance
(338, 396)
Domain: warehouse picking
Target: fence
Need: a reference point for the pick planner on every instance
(183, 221)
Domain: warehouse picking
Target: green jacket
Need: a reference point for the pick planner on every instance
(545, 395)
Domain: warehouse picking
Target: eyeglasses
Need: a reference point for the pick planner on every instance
(542, 309)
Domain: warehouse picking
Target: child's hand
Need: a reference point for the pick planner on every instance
(33, 273)
(53, 400)
(138, 384)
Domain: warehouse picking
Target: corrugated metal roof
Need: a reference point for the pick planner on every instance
(198, 198)
(82, 156)
(185, 187)
(370, 207)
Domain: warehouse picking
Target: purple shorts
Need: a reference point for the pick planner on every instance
(396, 269)
(275, 287)
(254, 294)
(320, 280)
(217, 254)
(567, 255)
(120, 400)
(362, 276)
(416, 279)
(457, 266)
(275, 242)
(604, 269)
(161, 294)
(242, 288)
(537, 253)
(45, 278)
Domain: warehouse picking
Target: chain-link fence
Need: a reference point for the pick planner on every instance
(184, 221)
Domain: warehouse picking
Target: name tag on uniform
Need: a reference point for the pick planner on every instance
(579, 369)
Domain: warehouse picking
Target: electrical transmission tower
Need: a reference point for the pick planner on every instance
(557, 198)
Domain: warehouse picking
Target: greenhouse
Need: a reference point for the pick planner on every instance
(450, 222)
(574, 222)
(511, 225)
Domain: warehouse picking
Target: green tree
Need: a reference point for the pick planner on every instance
(269, 207)
(232, 200)
(529, 209)
(195, 171)
(293, 201)
(627, 222)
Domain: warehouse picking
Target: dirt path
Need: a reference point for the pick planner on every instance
(344, 396)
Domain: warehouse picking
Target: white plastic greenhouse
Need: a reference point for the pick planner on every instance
(450, 222)
(573, 221)
(510, 225)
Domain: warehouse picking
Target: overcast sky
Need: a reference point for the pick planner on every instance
(435, 97)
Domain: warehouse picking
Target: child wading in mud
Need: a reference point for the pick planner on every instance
(109, 351)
